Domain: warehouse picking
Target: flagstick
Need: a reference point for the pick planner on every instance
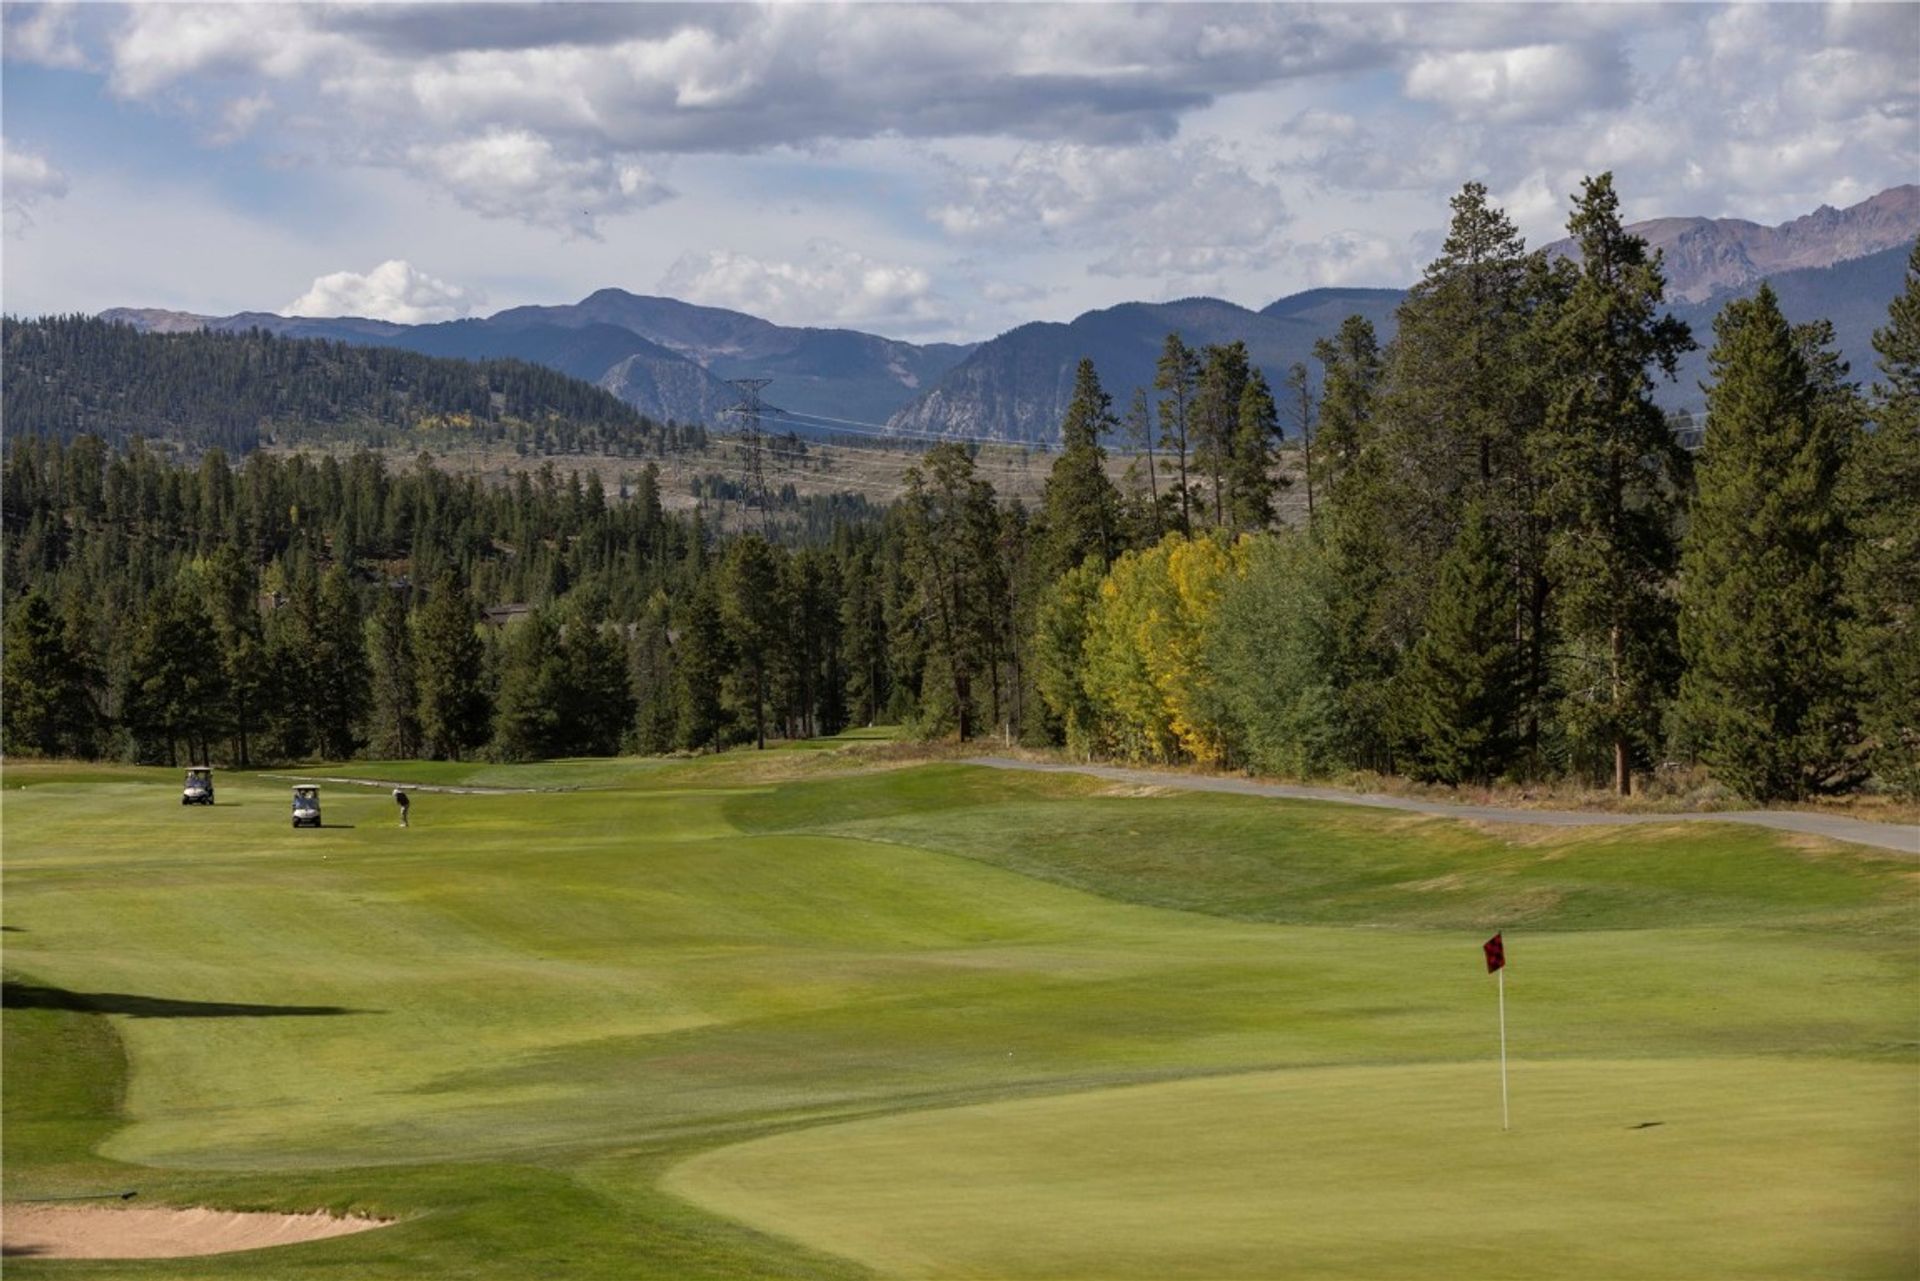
(1501, 973)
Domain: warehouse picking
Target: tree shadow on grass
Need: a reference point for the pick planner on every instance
(26, 996)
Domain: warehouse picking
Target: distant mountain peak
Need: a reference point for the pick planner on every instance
(1708, 256)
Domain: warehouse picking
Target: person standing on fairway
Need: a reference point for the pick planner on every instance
(400, 799)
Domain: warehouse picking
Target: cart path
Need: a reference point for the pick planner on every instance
(418, 787)
(1903, 838)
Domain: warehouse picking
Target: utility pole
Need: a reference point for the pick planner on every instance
(748, 411)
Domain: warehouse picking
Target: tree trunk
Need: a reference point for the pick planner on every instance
(1622, 780)
(760, 707)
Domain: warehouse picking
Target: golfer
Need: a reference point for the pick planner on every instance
(400, 799)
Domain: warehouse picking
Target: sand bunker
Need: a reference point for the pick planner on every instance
(96, 1232)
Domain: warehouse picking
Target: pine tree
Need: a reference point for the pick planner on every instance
(1251, 480)
(1882, 494)
(701, 658)
(1463, 681)
(43, 687)
(1348, 385)
(1175, 377)
(1465, 395)
(1082, 506)
(1216, 419)
(1611, 472)
(1764, 692)
(394, 729)
(952, 567)
(750, 603)
(532, 704)
(177, 694)
(449, 671)
(338, 671)
(653, 678)
(1356, 527)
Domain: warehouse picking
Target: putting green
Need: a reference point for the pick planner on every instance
(1616, 1169)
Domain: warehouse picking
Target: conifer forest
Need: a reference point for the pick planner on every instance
(1508, 567)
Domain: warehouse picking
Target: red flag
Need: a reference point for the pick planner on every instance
(1496, 953)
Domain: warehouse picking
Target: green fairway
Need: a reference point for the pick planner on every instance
(801, 1014)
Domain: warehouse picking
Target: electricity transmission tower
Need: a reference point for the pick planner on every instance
(748, 411)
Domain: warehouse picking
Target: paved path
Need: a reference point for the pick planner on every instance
(418, 787)
(1901, 837)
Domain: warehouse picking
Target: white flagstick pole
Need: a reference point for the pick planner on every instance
(1502, 974)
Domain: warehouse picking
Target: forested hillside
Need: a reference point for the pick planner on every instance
(1508, 570)
(74, 375)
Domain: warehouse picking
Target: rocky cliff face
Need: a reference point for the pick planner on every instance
(1705, 256)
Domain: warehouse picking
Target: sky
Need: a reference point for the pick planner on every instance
(929, 172)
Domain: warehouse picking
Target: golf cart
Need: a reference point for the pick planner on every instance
(199, 788)
(306, 806)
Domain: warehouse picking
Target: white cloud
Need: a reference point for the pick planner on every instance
(395, 290)
(1182, 209)
(27, 178)
(162, 44)
(1354, 258)
(516, 174)
(834, 285)
(238, 118)
(43, 34)
(1529, 83)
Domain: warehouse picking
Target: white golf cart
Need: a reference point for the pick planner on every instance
(199, 786)
(306, 805)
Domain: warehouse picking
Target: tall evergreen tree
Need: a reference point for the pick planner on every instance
(701, 659)
(1216, 419)
(1465, 395)
(177, 697)
(533, 701)
(1251, 479)
(449, 672)
(1357, 530)
(1176, 377)
(951, 538)
(394, 727)
(1082, 506)
(338, 673)
(750, 602)
(1350, 380)
(1463, 680)
(1764, 690)
(42, 686)
(1611, 474)
(657, 710)
(1883, 574)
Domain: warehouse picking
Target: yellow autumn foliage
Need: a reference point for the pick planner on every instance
(1145, 644)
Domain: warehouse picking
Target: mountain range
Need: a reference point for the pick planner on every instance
(672, 360)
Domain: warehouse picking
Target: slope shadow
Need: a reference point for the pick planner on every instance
(21, 1251)
(25, 996)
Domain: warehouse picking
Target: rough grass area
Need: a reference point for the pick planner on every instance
(507, 1025)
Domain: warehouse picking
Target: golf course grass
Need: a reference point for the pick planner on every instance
(808, 1014)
